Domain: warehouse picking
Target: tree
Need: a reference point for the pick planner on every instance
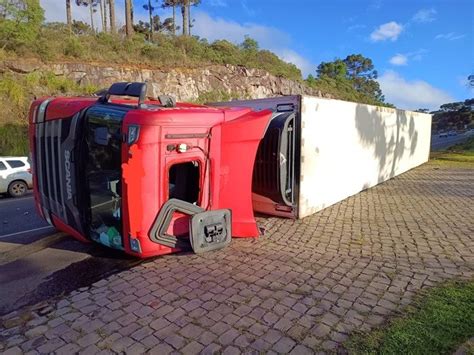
(69, 14)
(103, 14)
(190, 20)
(172, 4)
(470, 78)
(454, 115)
(185, 16)
(185, 13)
(356, 69)
(158, 26)
(128, 18)
(112, 16)
(150, 8)
(80, 28)
(335, 70)
(249, 44)
(20, 22)
(92, 4)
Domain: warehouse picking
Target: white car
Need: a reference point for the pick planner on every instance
(15, 176)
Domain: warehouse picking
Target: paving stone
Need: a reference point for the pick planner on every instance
(321, 330)
(36, 331)
(176, 341)
(192, 348)
(284, 345)
(228, 337)
(13, 351)
(161, 348)
(191, 331)
(300, 350)
(212, 349)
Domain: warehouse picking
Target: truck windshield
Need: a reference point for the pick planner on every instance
(103, 174)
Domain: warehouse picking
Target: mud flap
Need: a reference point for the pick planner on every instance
(210, 230)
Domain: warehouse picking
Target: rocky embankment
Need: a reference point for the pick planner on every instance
(186, 84)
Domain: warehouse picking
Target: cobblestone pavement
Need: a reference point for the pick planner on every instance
(303, 287)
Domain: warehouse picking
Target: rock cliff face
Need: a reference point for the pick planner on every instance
(183, 83)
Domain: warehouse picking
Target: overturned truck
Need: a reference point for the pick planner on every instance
(151, 176)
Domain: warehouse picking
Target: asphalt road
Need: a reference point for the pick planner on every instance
(440, 143)
(38, 263)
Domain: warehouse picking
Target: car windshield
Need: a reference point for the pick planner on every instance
(103, 174)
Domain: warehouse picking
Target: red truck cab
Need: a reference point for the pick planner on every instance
(130, 174)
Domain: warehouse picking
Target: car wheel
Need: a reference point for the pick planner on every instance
(17, 188)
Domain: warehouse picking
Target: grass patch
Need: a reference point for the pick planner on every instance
(465, 147)
(467, 157)
(459, 153)
(16, 94)
(439, 322)
(14, 139)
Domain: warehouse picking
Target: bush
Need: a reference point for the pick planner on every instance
(14, 139)
(16, 94)
(74, 48)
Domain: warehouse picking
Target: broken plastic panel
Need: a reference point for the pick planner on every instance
(210, 230)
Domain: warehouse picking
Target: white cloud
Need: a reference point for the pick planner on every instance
(411, 94)
(403, 59)
(267, 37)
(291, 56)
(425, 15)
(399, 59)
(390, 30)
(217, 28)
(450, 36)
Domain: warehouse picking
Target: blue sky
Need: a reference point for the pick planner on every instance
(423, 50)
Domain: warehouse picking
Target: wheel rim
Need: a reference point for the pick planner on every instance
(18, 189)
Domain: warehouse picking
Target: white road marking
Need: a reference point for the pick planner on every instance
(28, 231)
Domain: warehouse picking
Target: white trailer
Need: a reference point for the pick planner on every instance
(317, 152)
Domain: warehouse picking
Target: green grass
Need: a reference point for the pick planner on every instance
(465, 147)
(438, 323)
(14, 139)
(460, 153)
(16, 94)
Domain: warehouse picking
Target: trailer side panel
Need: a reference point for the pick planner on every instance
(348, 147)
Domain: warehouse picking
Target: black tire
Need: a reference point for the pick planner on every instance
(17, 188)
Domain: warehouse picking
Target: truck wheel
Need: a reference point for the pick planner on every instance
(17, 188)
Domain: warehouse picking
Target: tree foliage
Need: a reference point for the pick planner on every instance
(20, 22)
(454, 115)
(356, 70)
(249, 44)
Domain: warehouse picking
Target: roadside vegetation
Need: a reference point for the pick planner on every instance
(454, 116)
(16, 93)
(438, 323)
(459, 153)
